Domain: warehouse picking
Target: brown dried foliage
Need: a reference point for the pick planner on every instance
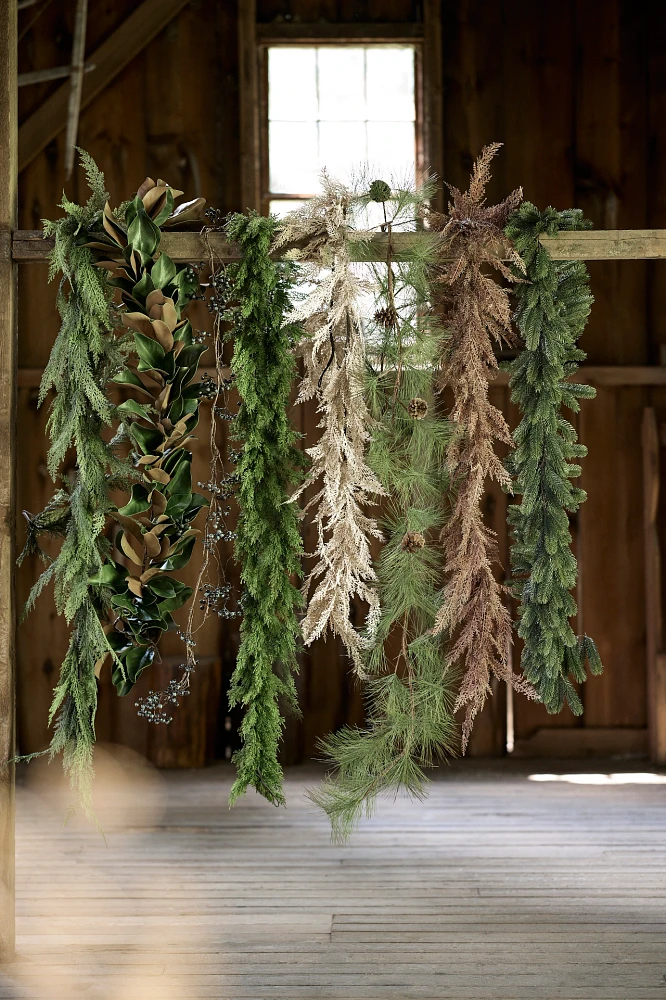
(476, 313)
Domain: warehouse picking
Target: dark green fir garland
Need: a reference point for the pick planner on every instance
(268, 543)
(553, 306)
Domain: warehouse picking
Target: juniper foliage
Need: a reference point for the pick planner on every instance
(409, 689)
(268, 545)
(551, 315)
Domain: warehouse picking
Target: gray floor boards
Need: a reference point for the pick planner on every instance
(496, 887)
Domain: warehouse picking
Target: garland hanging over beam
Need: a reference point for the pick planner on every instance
(118, 596)
(409, 688)
(477, 312)
(268, 544)
(553, 307)
(334, 356)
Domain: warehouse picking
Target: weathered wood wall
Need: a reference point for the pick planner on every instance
(575, 90)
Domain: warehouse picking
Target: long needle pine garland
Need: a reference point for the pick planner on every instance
(409, 690)
(552, 312)
(477, 313)
(268, 544)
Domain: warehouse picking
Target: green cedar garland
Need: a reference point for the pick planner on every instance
(268, 544)
(409, 689)
(85, 355)
(551, 315)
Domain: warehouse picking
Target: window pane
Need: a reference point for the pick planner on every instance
(390, 84)
(292, 84)
(292, 152)
(391, 150)
(282, 206)
(342, 146)
(341, 84)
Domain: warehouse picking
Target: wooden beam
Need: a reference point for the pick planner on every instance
(656, 659)
(608, 244)
(8, 354)
(337, 32)
(432, 97)
(610, 375)
(624, 244)
(76, 85)
(248, 95)
(136, 31)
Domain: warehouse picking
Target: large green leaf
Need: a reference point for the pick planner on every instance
(134, 409)
(148, 440)
(163, 271)
(175, 602)
(181, 479)
(149, 351)
(138, 503)
(142, 233)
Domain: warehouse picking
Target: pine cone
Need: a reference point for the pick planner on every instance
(417, 408)
(412, 541)
(387, 317)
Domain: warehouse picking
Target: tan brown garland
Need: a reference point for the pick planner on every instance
(477, 313)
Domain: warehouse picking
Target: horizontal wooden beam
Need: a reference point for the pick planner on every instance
(604, 375)
(610, 375)
(620, 244)
(325, 33)
(608, 244)
(126, 42)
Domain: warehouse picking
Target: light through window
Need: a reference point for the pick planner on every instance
(338, 107)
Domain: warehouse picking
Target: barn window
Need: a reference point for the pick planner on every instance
(337, 107)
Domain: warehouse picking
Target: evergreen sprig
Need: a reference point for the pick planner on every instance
(553, 307)
(268, 544)
(410, 691)
(84, 357)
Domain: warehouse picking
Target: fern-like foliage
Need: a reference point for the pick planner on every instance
(553, 308)
(410, 691)
(85, 356)
(268, 545)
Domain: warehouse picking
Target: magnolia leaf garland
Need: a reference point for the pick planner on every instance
(477, 313)
(268, 545)
(116, 611)
(334, 356)
(409, 689)
(552, 311)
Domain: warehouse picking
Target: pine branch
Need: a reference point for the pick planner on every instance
(551, 314)
(408, 690)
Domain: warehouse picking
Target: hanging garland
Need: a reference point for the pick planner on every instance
(476, 313)
(117, 610)
(409, 689)
(268, 544)
(334, 356)
(551, 314)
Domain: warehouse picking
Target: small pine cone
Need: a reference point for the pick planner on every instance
(412, 541)
(388, 317)
(417, 408)
(380, 191)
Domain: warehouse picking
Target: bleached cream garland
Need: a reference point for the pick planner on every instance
(334, 357)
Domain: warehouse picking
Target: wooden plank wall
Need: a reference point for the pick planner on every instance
(574, 89)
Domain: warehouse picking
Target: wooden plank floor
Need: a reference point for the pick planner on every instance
(497, 887)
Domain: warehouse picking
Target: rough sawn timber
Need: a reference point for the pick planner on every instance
(619, 244)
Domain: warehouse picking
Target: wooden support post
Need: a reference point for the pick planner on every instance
(656, 658)
(248, 82)
(432, 95)
(8, 353)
